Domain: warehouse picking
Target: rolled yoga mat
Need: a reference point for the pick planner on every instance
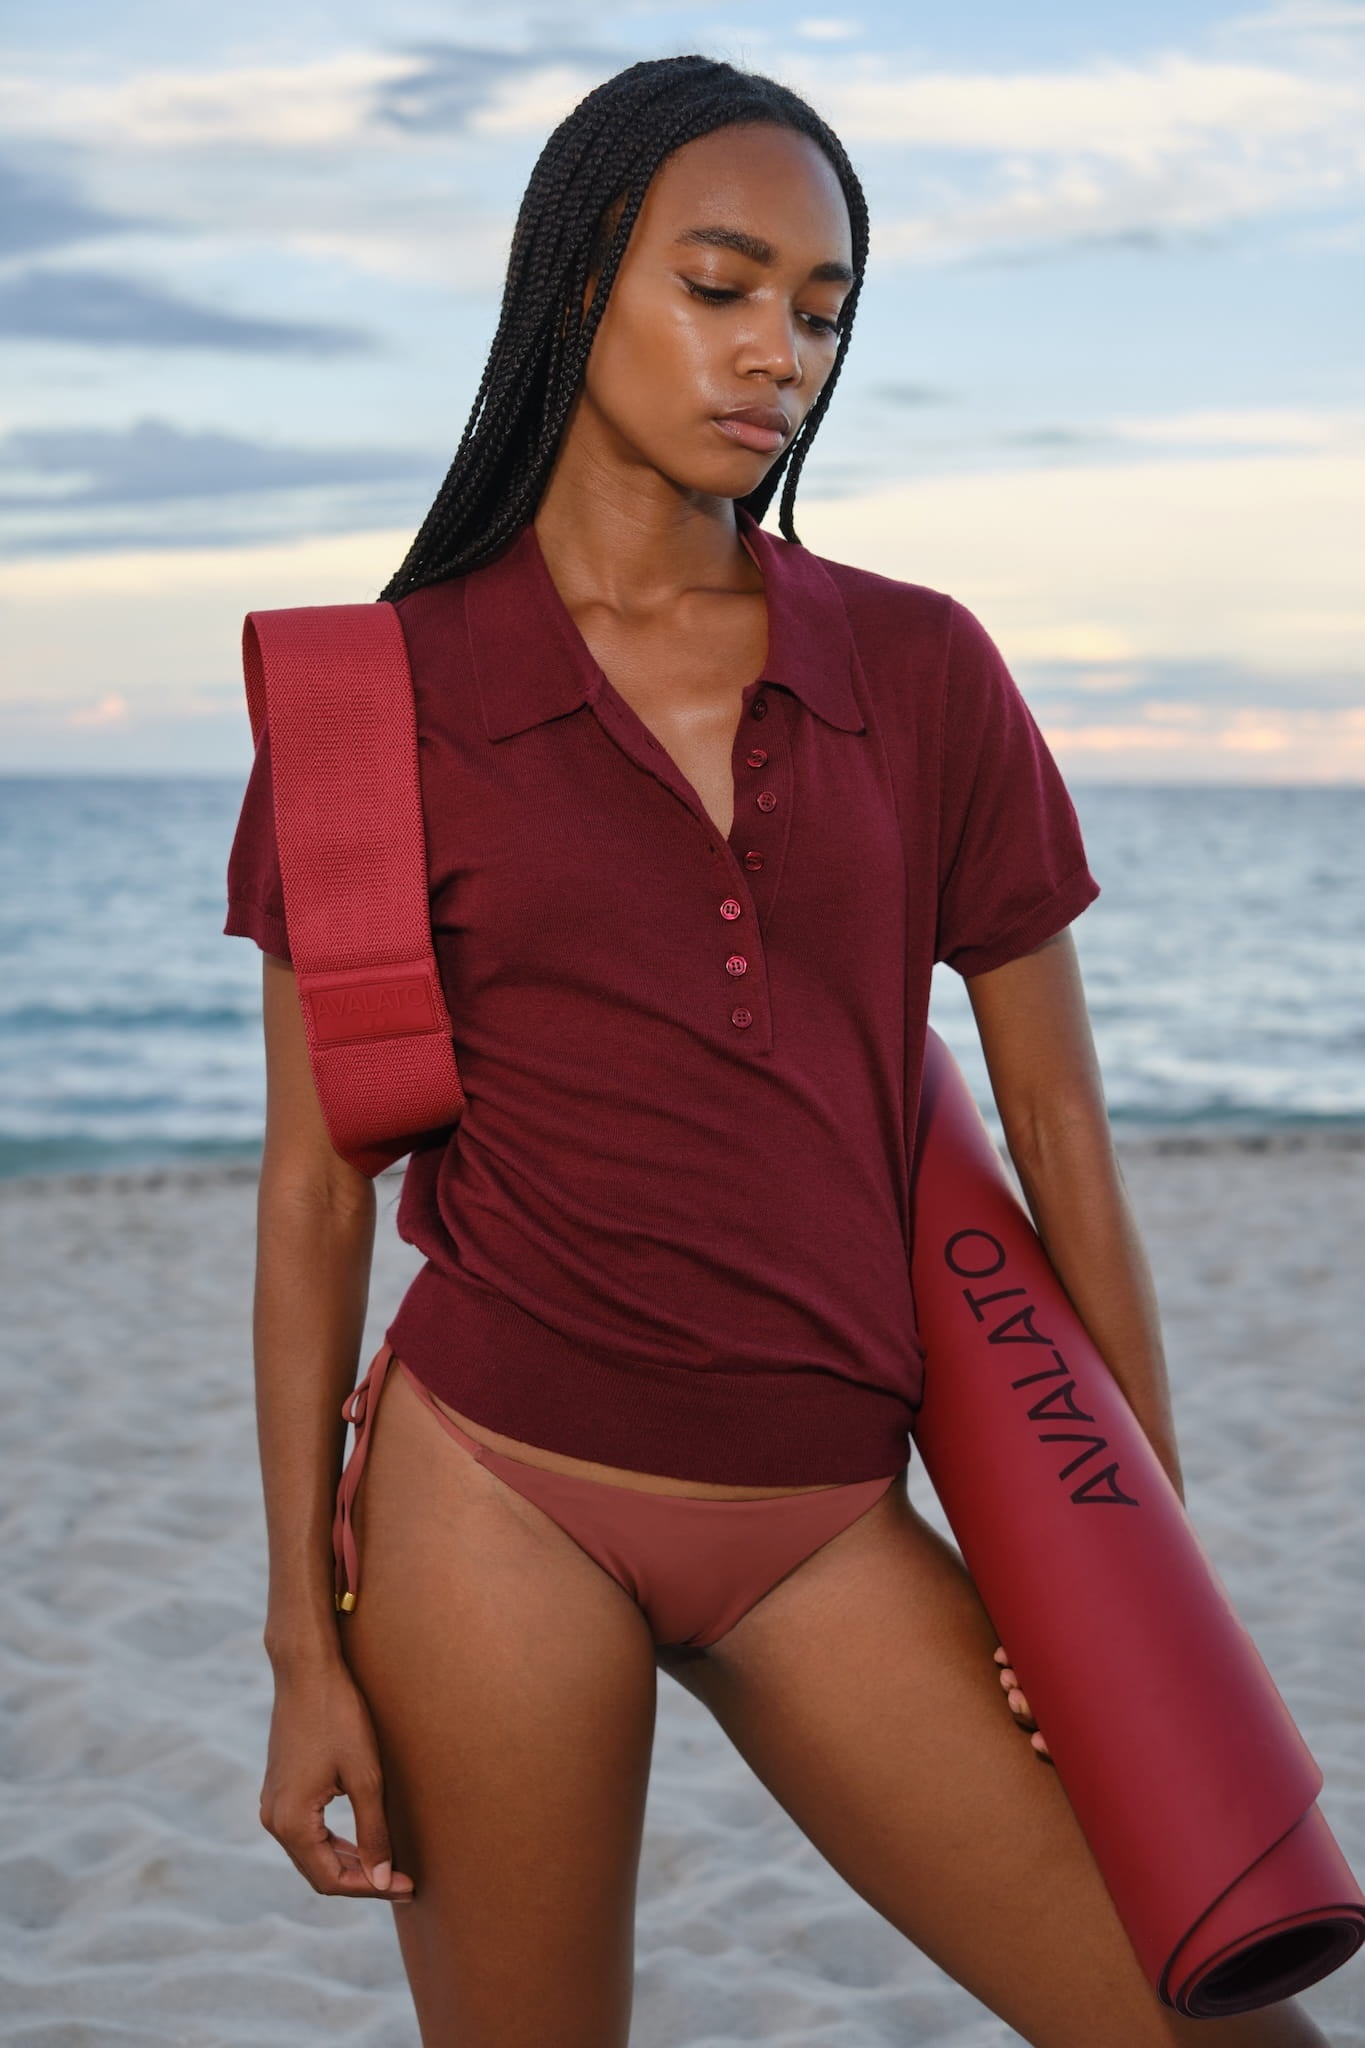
(1187, 1774)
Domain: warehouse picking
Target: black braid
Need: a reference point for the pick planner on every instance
(575, 219)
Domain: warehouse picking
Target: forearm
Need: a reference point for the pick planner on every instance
(1074, 1187)
(312, 1289)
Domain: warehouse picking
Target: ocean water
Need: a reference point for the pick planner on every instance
(1224, 965)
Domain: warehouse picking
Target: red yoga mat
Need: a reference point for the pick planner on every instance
(1190, 1780)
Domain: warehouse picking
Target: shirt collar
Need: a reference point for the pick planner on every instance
(533, 664)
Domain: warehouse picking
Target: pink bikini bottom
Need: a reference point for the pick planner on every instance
(693, 1566)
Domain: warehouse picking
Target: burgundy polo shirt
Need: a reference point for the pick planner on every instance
(670, 1231)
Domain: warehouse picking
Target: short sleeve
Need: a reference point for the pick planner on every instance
(255, 891)
(1012, 863)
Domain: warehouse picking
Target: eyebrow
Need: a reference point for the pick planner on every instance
(759, 251)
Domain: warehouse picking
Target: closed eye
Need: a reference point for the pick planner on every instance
(714, 296)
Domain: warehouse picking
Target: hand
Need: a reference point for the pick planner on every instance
(322, 1743)
(1020, 1709)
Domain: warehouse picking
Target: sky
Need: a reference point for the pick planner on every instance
(1106, 384)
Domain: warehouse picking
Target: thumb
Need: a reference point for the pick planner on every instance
(372, 1836)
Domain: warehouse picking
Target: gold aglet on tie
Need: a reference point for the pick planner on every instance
(344, 1601)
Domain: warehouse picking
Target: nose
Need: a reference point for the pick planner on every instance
(772, 345)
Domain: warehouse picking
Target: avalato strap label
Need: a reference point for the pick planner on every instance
(372, 1009)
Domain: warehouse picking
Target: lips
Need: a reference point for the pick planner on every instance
(770, 418)
(761, 427)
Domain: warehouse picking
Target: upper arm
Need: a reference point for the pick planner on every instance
(1035, 1033)
(299, 1156)
(298, 1146)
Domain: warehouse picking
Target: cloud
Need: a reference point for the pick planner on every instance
(1249, 560)
(110, 710)
(1138, 115)
(454, 87)
(1184, 743)
(325, 103)
(1249, 427)
(1064, 689)
(332, 155)
(36, 214)
(95, 309)
(828, 28)
(1052, 437)
(1174, 618)
(155, 462)
(984, 242)
(1317, 29)
(1126, 154)
(1305, 16)
(77, 490)
(1043, 207)
(901, 392)
(336, 103)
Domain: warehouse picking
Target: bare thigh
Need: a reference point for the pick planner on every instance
(512, 1685)
(862, 1692)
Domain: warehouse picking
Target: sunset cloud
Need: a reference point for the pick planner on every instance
(1218, 603)
(248, 279)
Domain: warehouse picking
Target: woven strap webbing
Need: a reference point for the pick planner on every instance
(333, 684)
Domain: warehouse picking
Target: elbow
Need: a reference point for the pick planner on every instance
(302, 1182)
(1067, 1132)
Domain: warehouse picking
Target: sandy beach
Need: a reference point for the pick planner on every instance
(140, 1900)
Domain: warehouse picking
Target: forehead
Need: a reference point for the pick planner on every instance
(771, 181)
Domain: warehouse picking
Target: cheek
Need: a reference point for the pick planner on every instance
(650, 351)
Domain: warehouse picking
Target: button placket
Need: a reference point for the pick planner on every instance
(764, 799)
(629, 732)
(754, 760)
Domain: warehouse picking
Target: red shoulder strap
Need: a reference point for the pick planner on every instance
(333, 682)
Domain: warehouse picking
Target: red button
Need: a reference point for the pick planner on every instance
(741, 1016)
(759, 708)
(736, 964)
(766, 800)
(732, 907)
(753, 859)
(756, 756)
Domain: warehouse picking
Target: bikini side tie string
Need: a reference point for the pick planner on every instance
(358, 1408)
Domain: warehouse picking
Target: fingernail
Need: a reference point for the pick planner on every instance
(380, 1875)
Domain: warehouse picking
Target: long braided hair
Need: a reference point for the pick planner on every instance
(575, 219)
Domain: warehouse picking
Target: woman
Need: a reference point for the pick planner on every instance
(656, 1375)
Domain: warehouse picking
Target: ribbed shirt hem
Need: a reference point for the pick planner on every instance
(489, 1359)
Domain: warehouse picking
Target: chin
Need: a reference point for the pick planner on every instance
(732, 480)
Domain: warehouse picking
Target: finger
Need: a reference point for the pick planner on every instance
(312, 1848)
(1019, 1706)
(329, 1862)
(372, 1832)
(400, 1890)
